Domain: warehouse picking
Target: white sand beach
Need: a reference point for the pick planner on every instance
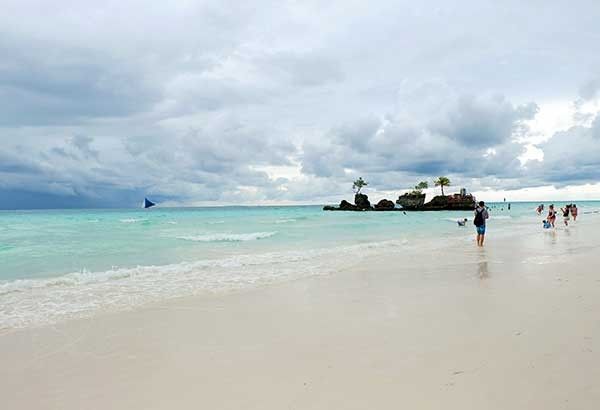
(511, 326)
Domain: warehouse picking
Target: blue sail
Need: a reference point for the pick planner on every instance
(148, 203)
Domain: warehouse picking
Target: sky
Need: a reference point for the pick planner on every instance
(287, 102)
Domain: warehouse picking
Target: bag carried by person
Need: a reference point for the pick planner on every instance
(478, 221)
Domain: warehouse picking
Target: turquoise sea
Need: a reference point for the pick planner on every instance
(61, 263)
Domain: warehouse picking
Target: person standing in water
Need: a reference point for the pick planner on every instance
(551, 215)
(566, 214)
(540, 209)
(481, 215)
(574, 212)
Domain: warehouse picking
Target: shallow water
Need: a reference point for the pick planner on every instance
(63, 263)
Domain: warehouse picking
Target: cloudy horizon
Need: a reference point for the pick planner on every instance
(217, 102)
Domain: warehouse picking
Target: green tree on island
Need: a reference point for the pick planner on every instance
(358, 185)
(442, 182)
(420, 187)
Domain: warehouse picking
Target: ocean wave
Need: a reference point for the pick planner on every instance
(132, 220)
(285, 220)
(35, 302)
(227, 237)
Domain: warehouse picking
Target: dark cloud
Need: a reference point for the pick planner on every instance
(476, 139)
(483, 122)
(188, 167)
(66, 85)
(570, 157)
(200, 101)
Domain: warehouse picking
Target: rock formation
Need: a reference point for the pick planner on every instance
(416, 202)
(411, 200)
(384, 205)
(362, 201)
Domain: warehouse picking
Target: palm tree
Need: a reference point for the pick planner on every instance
(442, 182)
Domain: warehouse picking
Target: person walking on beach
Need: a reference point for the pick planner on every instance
(481, 214)
(574, 212)
(551, 215)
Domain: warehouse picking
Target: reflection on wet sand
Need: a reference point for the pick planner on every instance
(482, 269)
(482, 265)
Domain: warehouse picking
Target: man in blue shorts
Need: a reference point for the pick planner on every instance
(481, 215)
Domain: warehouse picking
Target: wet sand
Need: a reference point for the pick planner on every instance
(513, 326)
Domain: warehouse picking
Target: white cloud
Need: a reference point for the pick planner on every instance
(283, 101)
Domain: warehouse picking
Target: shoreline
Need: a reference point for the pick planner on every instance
(513, 325)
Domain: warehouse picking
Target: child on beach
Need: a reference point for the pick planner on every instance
(566, 212)
(551, 218)
(574, 212)
(462, 223)
(540, 209)
(546, 224)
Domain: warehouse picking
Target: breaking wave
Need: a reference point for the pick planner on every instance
(35, 302)
(227, 237)
(132, 220)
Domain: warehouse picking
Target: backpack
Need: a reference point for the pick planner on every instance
(478, 221)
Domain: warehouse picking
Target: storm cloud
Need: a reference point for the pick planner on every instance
(276, 102)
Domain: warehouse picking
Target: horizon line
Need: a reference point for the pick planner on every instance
(158, 206)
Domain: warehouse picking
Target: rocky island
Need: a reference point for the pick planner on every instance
(457, 202)
(362, 203)
(410, 201)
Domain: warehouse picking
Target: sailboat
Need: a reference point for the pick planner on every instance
(148, 203)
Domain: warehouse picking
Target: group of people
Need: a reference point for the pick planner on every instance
(481, 216)
(568, 211)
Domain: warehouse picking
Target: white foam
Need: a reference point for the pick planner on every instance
(34, 302)
(132, 220)
(228, 237)
(285, 221)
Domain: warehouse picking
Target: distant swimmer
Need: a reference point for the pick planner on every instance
(462, 223)
(540, 209)
(574, 212)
